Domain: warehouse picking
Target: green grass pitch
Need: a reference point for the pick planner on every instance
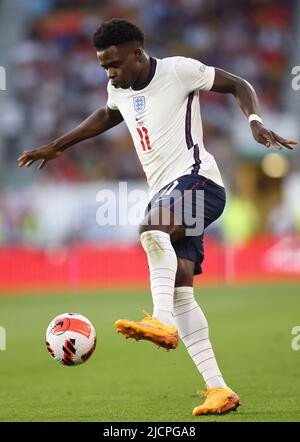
(125, 380)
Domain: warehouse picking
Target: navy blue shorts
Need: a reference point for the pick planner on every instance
(195, 210)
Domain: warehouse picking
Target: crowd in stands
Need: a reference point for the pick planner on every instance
(57, 81)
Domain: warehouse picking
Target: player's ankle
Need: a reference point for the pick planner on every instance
(163, 316)
(216, 382)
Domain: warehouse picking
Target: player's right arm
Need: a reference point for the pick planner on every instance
(100, 121)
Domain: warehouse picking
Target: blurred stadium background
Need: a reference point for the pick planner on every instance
(50, 242)
(48, 231)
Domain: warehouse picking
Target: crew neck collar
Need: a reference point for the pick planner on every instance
(152, 70)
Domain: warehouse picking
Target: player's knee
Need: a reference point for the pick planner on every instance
(159, 250)
(159, 218)
(153, 238)
(144, 228)
(152, 228)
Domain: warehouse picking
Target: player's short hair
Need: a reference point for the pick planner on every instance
(115, 32)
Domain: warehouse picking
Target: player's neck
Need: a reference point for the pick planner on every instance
(145, 72)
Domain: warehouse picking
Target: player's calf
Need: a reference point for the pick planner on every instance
(162, 262)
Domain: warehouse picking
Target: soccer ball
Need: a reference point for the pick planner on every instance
(70, 339)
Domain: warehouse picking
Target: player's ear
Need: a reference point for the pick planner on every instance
(138, 52)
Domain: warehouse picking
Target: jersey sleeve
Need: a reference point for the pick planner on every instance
(193, 74)
(110, 99)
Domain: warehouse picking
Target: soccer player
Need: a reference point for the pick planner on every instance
(159, 101)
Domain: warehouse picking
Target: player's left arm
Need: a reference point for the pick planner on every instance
(246, 97)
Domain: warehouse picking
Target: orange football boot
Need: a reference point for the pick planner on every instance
(150, 329)
(218, 401)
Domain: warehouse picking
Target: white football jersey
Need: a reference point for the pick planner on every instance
(163, 117)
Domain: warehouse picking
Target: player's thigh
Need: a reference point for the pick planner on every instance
(163, 219)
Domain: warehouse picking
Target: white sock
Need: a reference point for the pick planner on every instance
(162, 262)
(193, 330)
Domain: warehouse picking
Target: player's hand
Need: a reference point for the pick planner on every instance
(269, 138)
(45, 153)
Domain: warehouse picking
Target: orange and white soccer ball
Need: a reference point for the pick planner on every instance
(70, 339)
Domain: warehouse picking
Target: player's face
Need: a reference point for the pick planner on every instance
(122, 63)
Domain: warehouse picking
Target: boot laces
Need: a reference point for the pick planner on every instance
(207, 392)
(147, 316)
